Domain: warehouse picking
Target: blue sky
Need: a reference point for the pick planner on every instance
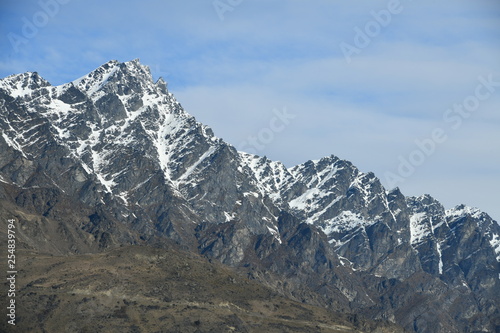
(236, 64)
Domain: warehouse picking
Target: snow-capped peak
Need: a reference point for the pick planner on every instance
(272, 177)
(463, 210)
(96, 79)
(19, 85)
(124, 77)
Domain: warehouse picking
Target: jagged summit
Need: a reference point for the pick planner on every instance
(19, 85)
(139, 169)
(118, 78)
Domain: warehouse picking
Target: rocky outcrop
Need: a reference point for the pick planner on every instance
(113, 159)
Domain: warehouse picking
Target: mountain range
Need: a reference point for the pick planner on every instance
(113, 160)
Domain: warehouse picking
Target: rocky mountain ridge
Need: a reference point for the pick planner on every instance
(119, 146)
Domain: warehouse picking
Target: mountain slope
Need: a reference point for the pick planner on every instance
(140, 170)
(143, 289)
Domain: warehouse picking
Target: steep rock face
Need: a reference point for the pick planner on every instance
(138, 169)
(459, 245)
(47, 142)
(50, 221)
(353, 209)
(128, 138)
(410, 240)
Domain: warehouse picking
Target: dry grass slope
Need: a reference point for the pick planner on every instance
(143, 289)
